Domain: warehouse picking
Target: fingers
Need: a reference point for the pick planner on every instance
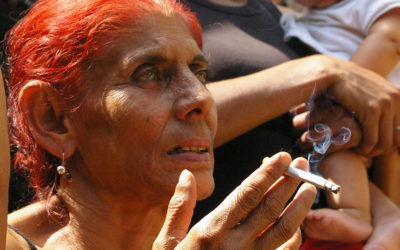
(381, 118)
(179, 214)
(249, 194)
(385, 135)
(370, 133)
(293, 243)
(283, 229)
(302, 121)
(396, 130)
(245, 218)
(394, 127)
(301, 108)
(271, 207)
(374, 101)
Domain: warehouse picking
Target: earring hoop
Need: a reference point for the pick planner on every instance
(62, 170)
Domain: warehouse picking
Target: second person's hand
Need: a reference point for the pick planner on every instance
(376, 104)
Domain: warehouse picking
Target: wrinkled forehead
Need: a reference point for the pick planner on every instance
(166, 35)
(162, 37)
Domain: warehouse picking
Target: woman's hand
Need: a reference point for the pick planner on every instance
(253, 216)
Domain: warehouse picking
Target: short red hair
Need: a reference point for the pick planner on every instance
(51, 43)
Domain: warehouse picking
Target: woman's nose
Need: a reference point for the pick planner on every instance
(194, 100)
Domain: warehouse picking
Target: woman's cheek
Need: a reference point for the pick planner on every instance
(118, 105)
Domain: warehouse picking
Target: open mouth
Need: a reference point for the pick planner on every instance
(179, 150)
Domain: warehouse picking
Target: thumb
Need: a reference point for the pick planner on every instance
(179, 214)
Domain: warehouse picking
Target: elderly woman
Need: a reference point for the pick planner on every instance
(108, 110)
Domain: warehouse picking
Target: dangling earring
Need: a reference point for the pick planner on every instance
(61, 170)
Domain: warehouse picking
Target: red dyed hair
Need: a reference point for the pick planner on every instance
(53, 43)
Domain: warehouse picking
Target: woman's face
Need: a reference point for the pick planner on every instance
(147, 115)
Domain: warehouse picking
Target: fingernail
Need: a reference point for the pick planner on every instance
(307, 167)
(265, 159)
(297, 119)
(270, 159)
(292, 111)
(184, 177)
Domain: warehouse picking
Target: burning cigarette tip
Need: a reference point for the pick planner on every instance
(332, 187)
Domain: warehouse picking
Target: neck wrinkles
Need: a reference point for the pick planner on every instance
(92, 218)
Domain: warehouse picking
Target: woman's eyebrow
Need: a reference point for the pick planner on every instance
(145, 57)
(199, 57)
(156, 58)
(153, 58)
(161, 59)
(129, 61)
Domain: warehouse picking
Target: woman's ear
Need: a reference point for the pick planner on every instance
(43, 111)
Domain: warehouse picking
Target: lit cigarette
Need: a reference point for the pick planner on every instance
(308, 177)
(316, 180)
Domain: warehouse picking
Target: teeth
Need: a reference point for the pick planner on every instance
(188, 149)
(193, 149)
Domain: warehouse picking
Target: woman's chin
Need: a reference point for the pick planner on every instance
(205, 185)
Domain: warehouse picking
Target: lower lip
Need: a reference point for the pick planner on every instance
(191, 157)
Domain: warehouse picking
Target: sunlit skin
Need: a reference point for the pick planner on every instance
(121, 215)
(147, 115)
(146, 98)
(378, 52)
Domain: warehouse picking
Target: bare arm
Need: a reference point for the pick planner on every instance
(4, 166)
(246, 102)
(386, 221)
(380, 50)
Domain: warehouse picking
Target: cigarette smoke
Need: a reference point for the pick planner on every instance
(325, 137)
(324, 140)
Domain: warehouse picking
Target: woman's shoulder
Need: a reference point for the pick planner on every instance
(31, 224)
(17, 240)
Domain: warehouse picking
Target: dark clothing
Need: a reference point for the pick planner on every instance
(239, 41)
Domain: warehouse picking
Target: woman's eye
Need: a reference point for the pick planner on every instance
(146, 73)
(202, 76)
(151, 74)
(146, 76)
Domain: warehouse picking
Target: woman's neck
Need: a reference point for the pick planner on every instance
(233, 3)
(102, 220)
